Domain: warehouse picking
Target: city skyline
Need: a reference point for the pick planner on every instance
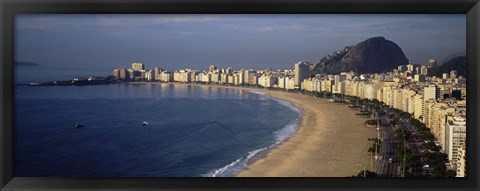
(437, 104)
(239, 41)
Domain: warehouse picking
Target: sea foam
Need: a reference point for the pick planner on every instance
(236, 166)
(281, 135)
(257, 92)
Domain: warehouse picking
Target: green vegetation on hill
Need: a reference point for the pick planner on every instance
(458, 63)
(370, 56)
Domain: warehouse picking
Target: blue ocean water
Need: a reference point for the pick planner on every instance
(192, 131)
(42, 73)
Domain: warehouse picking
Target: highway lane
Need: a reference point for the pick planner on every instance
(387, 150)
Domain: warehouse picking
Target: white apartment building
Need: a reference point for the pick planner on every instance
(455, 138)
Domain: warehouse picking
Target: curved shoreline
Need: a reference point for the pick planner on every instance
(330, 141)
(242, 163)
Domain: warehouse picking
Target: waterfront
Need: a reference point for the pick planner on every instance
(192, 131)
(335, 147)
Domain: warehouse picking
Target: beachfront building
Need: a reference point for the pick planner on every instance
(252, 79)
(224, 78)
(148, 75)
(166, 76)
(461, 165)
(369, 91)
(429, 98)
(267, 81)
(124, 75)
(181, 76)
(289, 83)
(302, 71)
(116, 73)
(136, 66)
(307, 84)
(437, 120)
(157, 72)
(206, 77)
(212, 68)
(418, 105)
(281, 82)
(455, 138)
(215, 77)
(131, 74)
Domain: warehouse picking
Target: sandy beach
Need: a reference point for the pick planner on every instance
(331, 142)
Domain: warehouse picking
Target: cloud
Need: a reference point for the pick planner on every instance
(25, 22)
(31, 21)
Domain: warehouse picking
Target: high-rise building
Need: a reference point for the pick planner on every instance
(432, 63)
(453, 74)
(252, 79)
(424, 70)
(418, 102)
(166, 76)
(431, 92)
(419, 78)
(157, 73)
(289, 83)
(410, 67)
(445, 76)
(136, 66)
(455, 138)
(124, 74)
(116, 73)
(302, 71)
(149, 75)
(131, 73)
(461, 165)
(429, 99)
(212, 68)
(338, 79)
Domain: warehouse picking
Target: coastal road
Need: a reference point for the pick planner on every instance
(415, 145)
(385, 168)
(390, 144)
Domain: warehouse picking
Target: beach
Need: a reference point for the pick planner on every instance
(331, 142)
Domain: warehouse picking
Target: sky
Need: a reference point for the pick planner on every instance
(239, 41)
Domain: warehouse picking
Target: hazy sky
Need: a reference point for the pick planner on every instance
(240, 41)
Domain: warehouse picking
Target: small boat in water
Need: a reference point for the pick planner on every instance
(145, 123)
(78, 125)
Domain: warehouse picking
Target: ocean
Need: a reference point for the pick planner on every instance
(192, 130)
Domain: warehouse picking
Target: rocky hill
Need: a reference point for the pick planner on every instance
(370, 56)
(458, 63)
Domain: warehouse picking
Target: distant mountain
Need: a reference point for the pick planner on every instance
(458, 63)
(373, 55)
(451, 56)
(19, 63)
